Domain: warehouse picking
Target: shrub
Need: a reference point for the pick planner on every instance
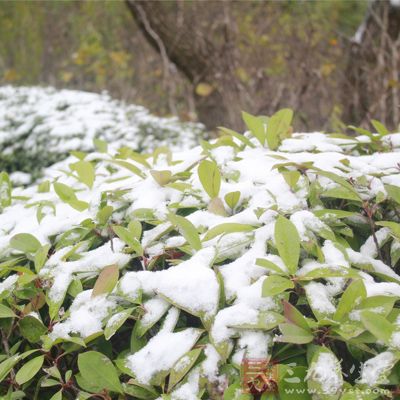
(40, 126)
(160, 276)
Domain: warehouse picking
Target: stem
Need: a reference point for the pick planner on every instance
(6, 346)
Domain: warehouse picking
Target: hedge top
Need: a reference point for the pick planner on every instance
(153, 276)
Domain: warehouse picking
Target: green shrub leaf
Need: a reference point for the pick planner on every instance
(6, 312)
(226, 228)
(379, 326)
(256, 125)
(294, 334)
(25, 242)
(161, 177)
(5, 190)
(106, 281)
(187, 229)
(279, 127)
(275, 284)
(29, 370)
(85, 171)
(351, 297)
(96, 368)
(210, 177)
(31, 328)
(287, 242)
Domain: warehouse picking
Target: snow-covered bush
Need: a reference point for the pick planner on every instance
(40, 126)
(129, 276)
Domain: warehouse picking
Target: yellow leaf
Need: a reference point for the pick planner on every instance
(204, 89)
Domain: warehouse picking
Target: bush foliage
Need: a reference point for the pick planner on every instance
(40, 126)
(131, 276)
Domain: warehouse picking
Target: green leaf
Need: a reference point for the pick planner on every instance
(95, 367)
(291, 177)
(380, 128)
(279, 127)
(29, 370)
(67, 195)
(57, 395)
(256, 125)
(183, 366)
(294, 316)
(226, 228)
(393, 192)
(7, 365)
(332, 213)
(115, 322)
(41, 257)
(5, 190)
(210, 177)
(287, 242)
(275, 284)
(25, 242)
(44, 187)
(6, 312)
(393, 226)
(129, 166)
(161, 177)
(187, 229)
(106, 281)
(85, 171)
(31, 328)
(232, 199)
(138, 391)
(104, 214)
(294, 334)
(129, 238)
(379, 326)
(292, 384)
(237, 135)
(135, 227)
(64, 192)
(350, 298)
(341, 193)
(350, 192)
(100, 145)
(262, 262)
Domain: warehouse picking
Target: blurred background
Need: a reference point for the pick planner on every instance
(334, 62)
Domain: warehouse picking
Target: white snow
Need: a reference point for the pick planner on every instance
(374, 371)
(161, 353)
(327, 372)
(8, 283)
(86, 316)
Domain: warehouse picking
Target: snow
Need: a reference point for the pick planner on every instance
(86, 316)
(154, 309)
(319, 298)
(326, 371)
(395, 340)
(8, 283)
(45, 124)
(374, 371)
(188, 390)
(189, 283)
(210, 364)
(161, 353)
(91, 261)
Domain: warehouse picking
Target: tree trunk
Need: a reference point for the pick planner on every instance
(173, 30)
(371, 87)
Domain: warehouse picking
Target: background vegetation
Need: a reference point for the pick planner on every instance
(273, 54)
